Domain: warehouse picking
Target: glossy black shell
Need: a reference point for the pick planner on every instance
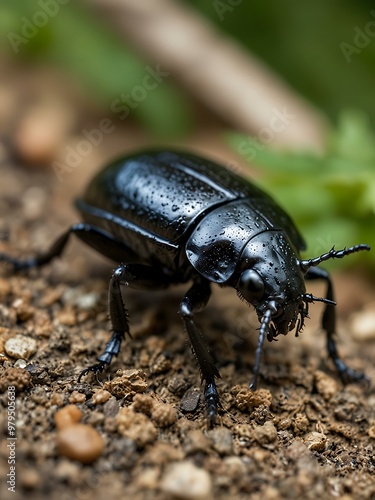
(182, 212)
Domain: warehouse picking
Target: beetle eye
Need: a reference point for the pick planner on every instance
(251, 285)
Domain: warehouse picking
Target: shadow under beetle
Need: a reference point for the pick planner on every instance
(173, 217)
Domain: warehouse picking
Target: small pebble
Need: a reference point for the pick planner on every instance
(67, 416)
(363, 324)
(100, 396)
(67, 316)
(17, 377)
(80, 442)
(235, 467)
(136, 426)
(148, 478)
(129, 383)
(265, 434)
(30, 479)
(300, 423)
(161, 364)
(222, 440)
(77, 397)
(163, 415)
(190, 400)
(57, 399)
(186, 481)
(20, 363)
(315, 441)
(325, 385)
(245, 399)
(88, 300)
(196, 441)
(20, 347)
(143, 403)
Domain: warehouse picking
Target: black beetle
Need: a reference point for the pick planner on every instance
(173, 217)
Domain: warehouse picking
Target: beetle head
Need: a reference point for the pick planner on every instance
(270, 278)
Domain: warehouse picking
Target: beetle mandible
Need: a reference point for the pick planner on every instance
(173, 217)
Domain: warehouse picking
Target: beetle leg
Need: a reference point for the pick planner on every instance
(100, 240)
(194, 301)
(346, 373)
(136, 276)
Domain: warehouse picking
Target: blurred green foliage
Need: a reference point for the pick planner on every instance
(331, 197)
(303, 42)
(81, 44)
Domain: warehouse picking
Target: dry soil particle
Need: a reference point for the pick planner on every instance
(302, 434)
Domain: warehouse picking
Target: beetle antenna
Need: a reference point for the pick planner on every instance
(263, 331)
(332, 254)
(308, 297)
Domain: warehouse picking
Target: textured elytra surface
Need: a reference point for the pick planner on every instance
(301, 435)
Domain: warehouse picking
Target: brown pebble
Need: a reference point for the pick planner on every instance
(143, 403)
(243, 430)
(245, 399)
(190, 399)
(16, 377)
(136, 426)
(300, 423)
(77, 397)
(235, 467)
(315, 441)
(163, 415)
(148, 478)
(80, 442)
(67, 316)
(51, 296)
(129, 383)
(24, 312)
(100, 396)
(296, 451)
(67, 416)
(196, 441)
(222, 440)
(265, 434)
(57, 399)
(325, 385)
(30, 479)
(161, 364)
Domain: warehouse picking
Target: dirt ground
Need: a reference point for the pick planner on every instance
(303, 434)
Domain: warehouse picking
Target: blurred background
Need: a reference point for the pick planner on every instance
(279, 91)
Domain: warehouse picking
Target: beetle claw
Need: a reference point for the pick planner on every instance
(95, 369)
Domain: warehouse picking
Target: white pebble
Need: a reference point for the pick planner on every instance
(20, 347)
(185, 480)
(363, 324)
